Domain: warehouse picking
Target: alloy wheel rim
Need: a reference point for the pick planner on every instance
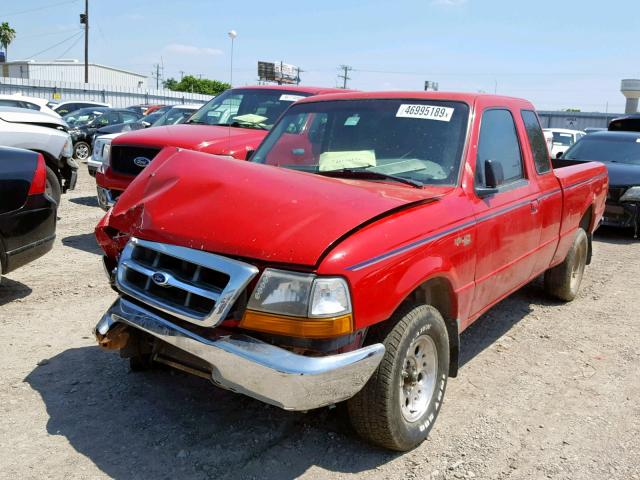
(82, 152)
(418, 378)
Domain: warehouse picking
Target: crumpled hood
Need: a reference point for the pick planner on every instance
(249, 210)
(205, 138)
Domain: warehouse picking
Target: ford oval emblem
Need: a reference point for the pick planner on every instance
(141, 161)
(160, 278)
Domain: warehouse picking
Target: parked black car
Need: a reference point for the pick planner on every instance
(620, 152)
(143, 122)
(85, 123)
(27, 213)
(629, 123)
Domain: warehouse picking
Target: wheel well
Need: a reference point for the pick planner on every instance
(585, 224)
(438, 293)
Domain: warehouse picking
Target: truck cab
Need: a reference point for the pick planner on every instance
(232, 124)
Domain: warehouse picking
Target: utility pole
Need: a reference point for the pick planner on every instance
(84, 20)
(181, 74)
(345, 76)
(157, 75)
(299, 71)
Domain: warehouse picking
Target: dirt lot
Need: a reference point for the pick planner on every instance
(546, 390)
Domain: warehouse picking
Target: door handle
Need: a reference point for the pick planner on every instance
(534, 206)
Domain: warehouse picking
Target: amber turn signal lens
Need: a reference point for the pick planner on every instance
(297, 327)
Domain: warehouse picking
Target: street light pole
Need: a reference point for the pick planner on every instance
(232, 35)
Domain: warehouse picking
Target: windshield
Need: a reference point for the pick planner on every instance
(173, 116)
(249, 108)
(605, 148)
(82, 116)
(415, 140)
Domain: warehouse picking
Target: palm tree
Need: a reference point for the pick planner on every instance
(7, 35)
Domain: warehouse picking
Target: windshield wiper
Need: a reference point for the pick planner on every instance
(364, 172)
(196, 122)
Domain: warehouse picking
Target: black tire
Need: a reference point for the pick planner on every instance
(52, 186)
(563, 281)
(81, 151)
(376, 412)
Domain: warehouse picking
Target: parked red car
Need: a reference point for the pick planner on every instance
(232, 124)
(344, 260)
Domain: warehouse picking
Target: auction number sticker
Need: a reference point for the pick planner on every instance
(428, 112)
(287, 97)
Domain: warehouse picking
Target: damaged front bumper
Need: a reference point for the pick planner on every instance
(252, 367)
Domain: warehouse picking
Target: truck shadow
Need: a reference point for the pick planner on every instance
(85, 242)
(495, 323)
(11, 290)
(618, 236)
(163, 423)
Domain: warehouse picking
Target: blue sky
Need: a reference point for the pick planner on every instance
(558, 54)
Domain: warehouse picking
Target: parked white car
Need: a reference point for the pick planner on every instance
(32, 103)
(45, 134)
(563, 138)
(72, 105)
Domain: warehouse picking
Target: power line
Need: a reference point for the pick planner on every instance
(345, 76)
(4, 15)
(77, 34)
(72, 45)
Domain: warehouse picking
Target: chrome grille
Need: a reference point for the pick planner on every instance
(193, 285)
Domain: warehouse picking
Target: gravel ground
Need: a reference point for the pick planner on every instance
(545, 391)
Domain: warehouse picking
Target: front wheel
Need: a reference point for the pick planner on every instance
(398, 406)
(81, 151)
(563, 281)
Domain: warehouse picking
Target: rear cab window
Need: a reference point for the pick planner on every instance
(537, 141)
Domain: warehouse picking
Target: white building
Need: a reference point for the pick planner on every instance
(72, 71)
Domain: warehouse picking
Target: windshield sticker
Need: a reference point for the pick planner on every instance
(352, 121)
(350, 159)
(427, 112)
(287, 97)
(250, 118)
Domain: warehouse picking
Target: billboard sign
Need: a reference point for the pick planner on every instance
(280, 72)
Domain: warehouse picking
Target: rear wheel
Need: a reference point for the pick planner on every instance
(81, 151)
(398, 406)
(52, 186)
(563, 281)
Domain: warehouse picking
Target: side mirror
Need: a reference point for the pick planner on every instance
(146, 124)
(249, 154)
(493, 178)
(559, 154)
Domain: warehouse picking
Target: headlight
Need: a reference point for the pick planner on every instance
(631, 195)
(297, 304)
(67, 149)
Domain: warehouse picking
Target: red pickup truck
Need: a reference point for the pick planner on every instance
(231, 124)
(344, 260)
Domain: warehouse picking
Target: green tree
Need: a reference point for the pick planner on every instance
(571, 109)
(189, 83)
(7, 35)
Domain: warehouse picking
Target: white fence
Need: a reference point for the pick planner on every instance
(116, 96)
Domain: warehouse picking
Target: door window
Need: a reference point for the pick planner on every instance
(498, 142)
(536, 141)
